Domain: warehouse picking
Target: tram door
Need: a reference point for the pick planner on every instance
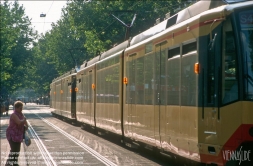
(211, 86)
(159, 87)
(222, 84)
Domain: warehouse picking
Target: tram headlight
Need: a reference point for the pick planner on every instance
(251, 131)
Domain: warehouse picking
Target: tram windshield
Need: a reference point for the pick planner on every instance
(246, 33)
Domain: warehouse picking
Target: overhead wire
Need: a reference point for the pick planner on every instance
(118, 16)
(46, 14)
(162, 7)
(50, 7)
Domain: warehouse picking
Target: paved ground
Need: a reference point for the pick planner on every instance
(60, 140)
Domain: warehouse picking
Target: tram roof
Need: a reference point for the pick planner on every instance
(115, 49)
(93, 61)
(179, 17)
(148, 33)
(220, 6)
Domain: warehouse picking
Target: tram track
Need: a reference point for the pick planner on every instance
(50, 147)
(47, 157)
(67, 152)
(42, 148)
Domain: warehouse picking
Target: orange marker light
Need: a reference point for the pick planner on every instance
(196, 68)
(93, 86)
(76, 89)
(125, 80)
(70, 90)
(54, 92)
(61, 91)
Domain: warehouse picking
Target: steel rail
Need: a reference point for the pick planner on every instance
(80, 143)
(44, 152)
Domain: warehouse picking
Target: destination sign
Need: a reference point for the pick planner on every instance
(246, 19)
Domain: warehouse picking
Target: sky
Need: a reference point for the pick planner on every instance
(52, 9)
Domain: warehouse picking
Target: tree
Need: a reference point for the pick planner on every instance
(16, 37)
(85, 30)
(102, 31)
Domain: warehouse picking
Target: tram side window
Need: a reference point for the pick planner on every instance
(188, 76)
(131, 83)
(127, 87)
(139, 84)
(148, 79)
(246, 33)
(173, 76)
(102, 85)
(163, 78)
(84, 87)
(98, 86)
(58, 88)
(90, 95)
(115, 83)
(189, 47)
(229, 69)
(107, 83)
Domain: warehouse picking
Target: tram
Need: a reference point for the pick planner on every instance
(183, 88)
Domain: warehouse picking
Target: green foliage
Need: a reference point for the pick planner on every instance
(85, 29)
(94, 20)
(16, 37)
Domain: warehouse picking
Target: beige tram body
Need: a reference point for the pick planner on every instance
(86, 94)
(153, 90)
(63, 95)
(178, 128)
(107, 89)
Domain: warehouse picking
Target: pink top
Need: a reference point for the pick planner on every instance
(14, 131)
